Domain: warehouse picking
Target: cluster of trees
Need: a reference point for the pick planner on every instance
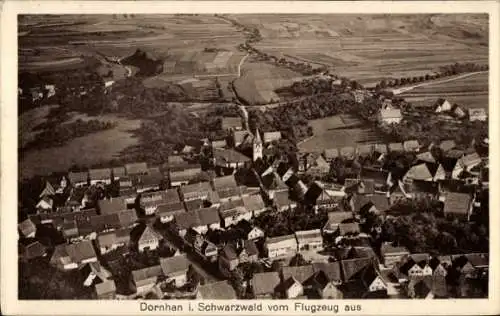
(444, 71)
(284, 223)
(148, 65)
(58, 135)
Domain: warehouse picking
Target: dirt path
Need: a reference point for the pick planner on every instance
(429, 83)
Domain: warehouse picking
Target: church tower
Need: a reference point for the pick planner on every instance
(257, 146)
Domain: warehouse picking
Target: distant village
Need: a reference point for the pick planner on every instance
(168, 232)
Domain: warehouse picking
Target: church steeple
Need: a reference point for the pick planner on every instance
(257, 146)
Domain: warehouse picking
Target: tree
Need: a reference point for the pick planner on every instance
(298, 260)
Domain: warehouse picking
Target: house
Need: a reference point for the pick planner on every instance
(349, 229)
(327, 199)
(185, 221)
(422, 189)
(396, 147)
(228, 258)
(331, 270)
(78, 179)
(195, 191)
(392, 255)
(437, 171)
(48, 190)
(194, 205)
(282, 246)
(296, 186)
(271, 136)
(219, 143)
(183, 175)
(118, 172)
(225, 182)
(290, 288)
(242, 137)
(100, 176)
(447, 145)
(419, 172)
(234, 254)
(426, 156)
(264, 284)
(151, 181)
(27, 228)
(228, 194)
(125, 183)
(372, 280)
(282, 201)
(309, 240)
(70, 230)
(380, 149)
(34, 250)
(352, 268)
(477, 114)
(324, 287)
(127, 218)
(45, 204)
(411, 146)
(232, 123)
(138, 168)
(375, 203)
(381, 179)
(112, 205)
(467, 163)
(150, 201)
(209, 250)
(312, 163)
(458, 205)
(143, 280)
(234, 211)
(175, 269)
(72, 256)
(221, 290)
(358, 186)
(95, 274)
(112, 240)
(149, 239)
(331, 154)
(254, 233)
(335, 219)
(254, 204)
(442, 105)
(365, 150)
(390, 116)
(208, 219)
(166, 212)
(106, 290)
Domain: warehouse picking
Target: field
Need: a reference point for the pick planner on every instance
(29, 120)
(258, 82)
(337, 131)
(88, 149)
(470, 91)
(369, 48)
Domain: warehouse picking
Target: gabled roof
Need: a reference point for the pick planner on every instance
(390, 113)
(477, 112)
(105, 287)
(187, 220)
(469, 160)
(136, 168)
(149, 234)
(278, 239)
(111, 206)
(347, 152)
(34, 250)
(174, 265)
(420, 186)
(387, 249)
(127, 217)
(457, 203)
(365, 150)
(234, 192)
(411, 145)
(141, 275)
(195, 187)
(100, 174)
(169, 209)
(369, 274)
(380, 148)
(426, 156)
(447, 145)
(224, 182)
(349, 228)
(48, 190)
(396, 147)
(76, 177)
(111, 238)
(419, 172)
(282, 198)
(253, 202)
(27, 227)
(332, 270)
(219, 143)
(271, 136)
(478, 260)
(118, 171)
(304, 235)
(336, 218)
(172, 196)
(265, 282)
(380, 201)
(208, 216)
(76, 252)
(221, 290)
(193, 205)
(351, 268)
(331, 153)
(299, 273)
(101, 223)
(231, 122)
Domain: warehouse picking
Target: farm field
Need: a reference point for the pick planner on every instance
(89, 149)
(337, 131)
(471, 91)
(259, 81)
(369, 48)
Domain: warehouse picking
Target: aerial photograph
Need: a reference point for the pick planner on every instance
(253, 156)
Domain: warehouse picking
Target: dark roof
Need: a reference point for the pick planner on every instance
(105, 287)
(100, 174)
(265, 282)
(113, 205)
(114, 237)
(225, 182)
(478, 259)
(332, 270)
(146, 273)
(75, 177)
(195, 187)
(221, 290)
(396, 147)
(136, 168)
(34, 250)
(387, 249)
(349, 228)
(172, 196)
(446, 145)
(380, 201)
(253, 202)
(170, 209)
(231, 122)
(419, 186)
(378, 175)
(351, 268)
(79, 251)
(193, 205)
(457, 203)
(187, 220)
(208, 215)
(299, 273)
(226, 156)
(229, 192)
(101, 223)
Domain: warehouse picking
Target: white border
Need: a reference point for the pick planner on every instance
(10, 304)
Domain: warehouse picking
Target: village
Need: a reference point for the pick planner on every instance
(234, 219)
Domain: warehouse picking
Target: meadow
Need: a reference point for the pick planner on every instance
(470, 91)
(337, 131)
(86, 150)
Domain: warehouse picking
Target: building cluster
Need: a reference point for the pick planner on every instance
(173, 205)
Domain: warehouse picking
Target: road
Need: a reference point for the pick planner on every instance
(430, 83)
